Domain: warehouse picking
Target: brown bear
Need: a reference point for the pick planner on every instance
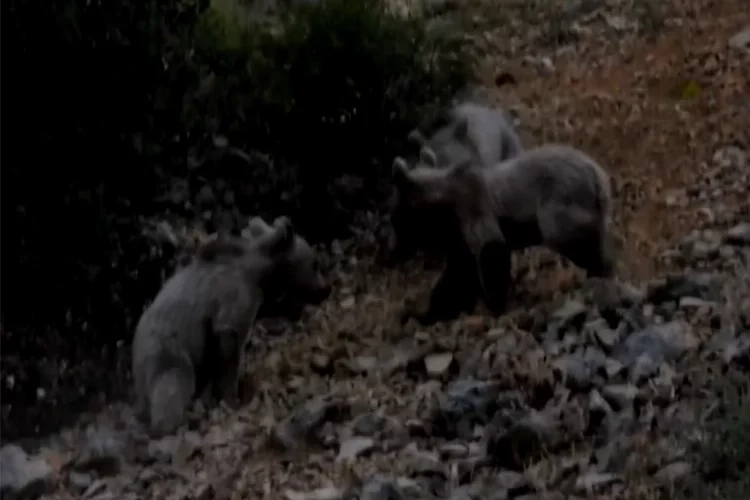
(192, 336)
(553, 195)
(473, 132)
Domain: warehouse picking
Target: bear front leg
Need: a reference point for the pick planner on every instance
(230, 329)
(495, 275)
(602, 262)
(455, 292)
(396, 245)
(229, 362)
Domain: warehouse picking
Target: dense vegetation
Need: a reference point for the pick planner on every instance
(106, 104)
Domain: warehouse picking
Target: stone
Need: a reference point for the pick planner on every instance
(737, 350)
(320, 362)
(665, 342)
(464, 403)
(643, 369)
(599, 330)
(692, 303)
(454, 450)
(368, 424)
(599, 410)
(302, 423)
(741, 39)
(673, 473)
(329, 493)
(348, 302)
(576, 370)
(354, 447)
(22, 476)
(80, 480)
(595, 481)
(613, 368)
(362, 364)
(739, 234)
(620, 396)
(406, 355)
(511, 481)
(569, 314)
(438, 364)
(693, 284)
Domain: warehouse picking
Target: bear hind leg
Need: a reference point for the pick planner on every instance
(589, 251)
(578, 235)
(170, 397)
(495, 275)
(228, 356)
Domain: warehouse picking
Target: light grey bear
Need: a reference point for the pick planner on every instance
(472, 132)
(192, 336)
(552, 195)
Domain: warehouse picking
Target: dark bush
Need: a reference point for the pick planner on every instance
(333, 87)
(726, 453)
(105, 106)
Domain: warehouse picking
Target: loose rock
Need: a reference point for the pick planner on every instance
(22, 476)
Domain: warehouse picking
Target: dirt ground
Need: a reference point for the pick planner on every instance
(651, 105)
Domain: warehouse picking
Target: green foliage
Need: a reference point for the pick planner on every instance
(107, 98)
(333, 84)
(86, 116)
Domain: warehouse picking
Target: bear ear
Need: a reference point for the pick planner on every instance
(416, 137)
(257, 227)
(427, 157)
(280, 238)
(461, 130)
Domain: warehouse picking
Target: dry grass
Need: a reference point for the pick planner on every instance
(634, 106)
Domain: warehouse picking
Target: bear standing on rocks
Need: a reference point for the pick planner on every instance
(552, 195)
(194, 332)
(472, 132)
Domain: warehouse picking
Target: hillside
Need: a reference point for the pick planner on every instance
(586, 389)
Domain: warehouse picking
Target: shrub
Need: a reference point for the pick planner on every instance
(333, 87)
(727, 452)
(105, 102)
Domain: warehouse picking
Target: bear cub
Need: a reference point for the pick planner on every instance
(192, 336)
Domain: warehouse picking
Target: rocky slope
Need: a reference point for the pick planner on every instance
(603, 389)
(586, 388)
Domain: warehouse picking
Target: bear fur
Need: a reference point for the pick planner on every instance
(473, 132)
(553, 195)
(288, 295)
(192, 336)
